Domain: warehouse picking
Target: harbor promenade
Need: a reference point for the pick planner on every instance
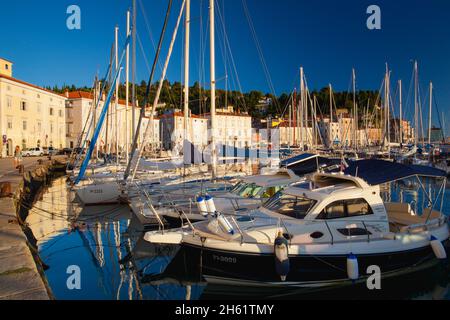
(20, 276)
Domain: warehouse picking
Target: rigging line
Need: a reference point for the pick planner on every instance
(407, 107)
(260, 52)
(143, 52)
(152, 40)
(228, 46)
(147, 96)
(441, 125)
(149, 128)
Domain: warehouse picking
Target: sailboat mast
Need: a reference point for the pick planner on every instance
(116, 115)
(186, 68)
(388, 106)
(294, 114)
(401, 109)
(331, 103)
(416, 104)
(302, 102)
(355, 111)
(430, 113)
(133, 71)
(290, 123)
(331, 115)
(212, 39)
(127, 89)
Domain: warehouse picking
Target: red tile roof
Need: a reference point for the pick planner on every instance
(30, 85)
(80, 95)
(90, 96)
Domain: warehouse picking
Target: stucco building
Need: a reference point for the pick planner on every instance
(30, 116)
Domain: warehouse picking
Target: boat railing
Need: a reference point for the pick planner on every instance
(330, 225)
(148, 201)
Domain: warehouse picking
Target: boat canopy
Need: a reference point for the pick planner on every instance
(307, 163)
(376, 172)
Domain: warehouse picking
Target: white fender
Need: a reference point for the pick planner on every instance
(438, 248)
(202, 207)
(352, 267)
(225, 224)
(210, 204)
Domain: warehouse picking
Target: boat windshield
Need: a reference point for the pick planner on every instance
(252, 190)
(291, 206)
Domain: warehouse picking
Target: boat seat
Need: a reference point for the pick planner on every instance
(401, 214)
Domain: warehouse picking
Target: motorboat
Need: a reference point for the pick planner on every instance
(324, 233)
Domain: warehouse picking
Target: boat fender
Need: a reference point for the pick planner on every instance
(202, 207)
(352, 267)
(438, 248)
(210, 204)
(281, 250)
(225, 224)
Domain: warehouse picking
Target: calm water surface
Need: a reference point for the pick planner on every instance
(116, 264)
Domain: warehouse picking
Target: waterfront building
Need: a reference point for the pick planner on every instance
(291, 136)
(437, 135)
(406, 129)
(233, 128)
(79, 108)
(30, 116)
(172, 130)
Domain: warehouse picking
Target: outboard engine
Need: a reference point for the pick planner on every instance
(281, 250)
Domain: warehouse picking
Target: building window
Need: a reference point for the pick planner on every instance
(9, 102)
(39, 125)
(39, 108)
(51, 127)
(10, 124)
(51, 111)
(24, 125)
(60, 113)
(23, 106)
(24, 144)
(6, 67)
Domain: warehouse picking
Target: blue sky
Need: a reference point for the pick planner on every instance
(327, 38)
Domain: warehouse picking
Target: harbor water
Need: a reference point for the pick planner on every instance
(115, 263)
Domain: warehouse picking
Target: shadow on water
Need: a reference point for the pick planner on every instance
(116, 263)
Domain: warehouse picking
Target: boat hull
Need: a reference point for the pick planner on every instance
(246, 269)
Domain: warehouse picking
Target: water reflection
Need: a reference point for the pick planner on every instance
(117, 264)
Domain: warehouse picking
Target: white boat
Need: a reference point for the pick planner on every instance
(324, 235)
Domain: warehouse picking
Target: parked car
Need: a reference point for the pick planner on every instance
(33, 152)
(65, 152)
(50, 151)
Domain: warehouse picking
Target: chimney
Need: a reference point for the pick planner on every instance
(66, 93)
